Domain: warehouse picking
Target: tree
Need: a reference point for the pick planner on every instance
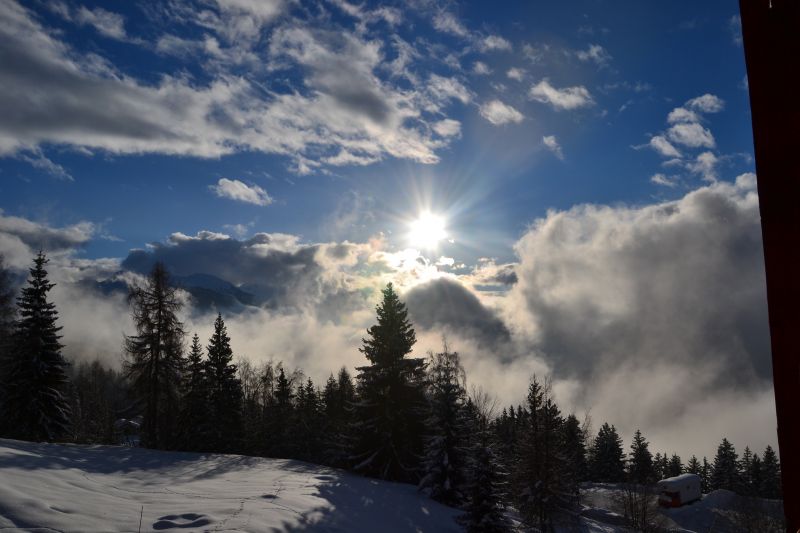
(34, 371)
(194, 420)
(280, 418)
(484, 509)
(693, 466)
(640, 469)
(7, 311)
(543, 478)
(770, 475)
(225, 392)
(446, 448)
(725, 471)
(607, 460)
(575, 448)
(390, 411)
(705, 476)
(745, 466)
(338, 398)
(154, 356)
(675, 466)
(308, 423)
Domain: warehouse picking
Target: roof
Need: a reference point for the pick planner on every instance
(681, 478)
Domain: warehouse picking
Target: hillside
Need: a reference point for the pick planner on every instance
(49, 487)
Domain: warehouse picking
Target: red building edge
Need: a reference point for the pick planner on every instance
(771, 31)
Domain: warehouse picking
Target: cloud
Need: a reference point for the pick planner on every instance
(480, 68)
(657, 312)
(663, 146)
(595, 53)
(443, 89)
(735, 27)
(494, 42)
(692, 135)
(681, 114)
(515, 73)
(27, 237)
(241, 192)
(707, 103)
(666, 181)
(448, 127)
(84, 102)
(560, 99)
(38, 160)
(446, 22)
(447, 306)
(499, 113)
(705, 164)
(551, 143)
(105, 22)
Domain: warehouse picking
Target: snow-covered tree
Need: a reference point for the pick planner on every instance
(194, 416)
(390, 411)
(446, 448)
(154, 357)
(225, 392)
(484, 489)
(34, 371)
(640, 466)
(607, 460)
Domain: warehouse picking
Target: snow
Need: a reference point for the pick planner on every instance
(51, 487)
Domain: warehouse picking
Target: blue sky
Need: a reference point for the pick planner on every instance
(631, 62)
(591, 164)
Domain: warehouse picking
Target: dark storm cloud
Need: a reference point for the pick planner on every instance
(445, 303)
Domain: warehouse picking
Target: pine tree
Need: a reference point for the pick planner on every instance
(154, 357)
(640, 468)
(225, 392)
(542, 480)
(755, 477)
(446, 449)
(308, 423)
(607, 460)
(34, 406)
(390, 409)
(675, 466)
(7, 311)
(771, 475)
(745, 465)
(338, 398)
(281, 419)
(194, 416)
(484, 508)
(575, 449)
(725, 471)
(705, 476)
(693, 466)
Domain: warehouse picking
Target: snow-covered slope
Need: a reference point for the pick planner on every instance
(49, 487)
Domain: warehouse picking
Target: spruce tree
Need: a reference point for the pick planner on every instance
(745, 466)
(675, 466)
(194, 415)
(225, 392)
(755, 477)
(34, 371)
(154, 361)
(446, 448)
(705, 476)
(484, 508)
(575, 449)
(607, 463)
(280, 419)
(770, 475)
(693, 466)
(640, 468)
(7, 310)
(338, 398)
(308, 423)
(543, 478)
(725, 471)
(390, 411)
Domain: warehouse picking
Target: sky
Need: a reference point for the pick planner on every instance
(564, 189)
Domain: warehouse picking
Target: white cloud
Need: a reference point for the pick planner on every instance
(551, 143)
(499, 113)
(692, 135)
(595, 53)
(480, 68)
(565, 98)
(494, 42)
(663, 180)
(681, 114)
(735, 26)
(707, 103)
(663, 146)
(447, 127)
(443, 89)
(107, 23)
(241, 192)
(705, 165)
(515, 73)
(446, 22)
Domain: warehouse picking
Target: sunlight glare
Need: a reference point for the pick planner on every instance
(426, 231)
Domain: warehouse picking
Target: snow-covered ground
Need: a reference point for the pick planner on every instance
(49, 487)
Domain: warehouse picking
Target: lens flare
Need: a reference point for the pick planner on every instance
(426, 231)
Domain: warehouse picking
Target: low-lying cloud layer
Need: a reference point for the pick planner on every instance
(650, 317)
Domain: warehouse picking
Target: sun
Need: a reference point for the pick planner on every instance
(426, 231)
